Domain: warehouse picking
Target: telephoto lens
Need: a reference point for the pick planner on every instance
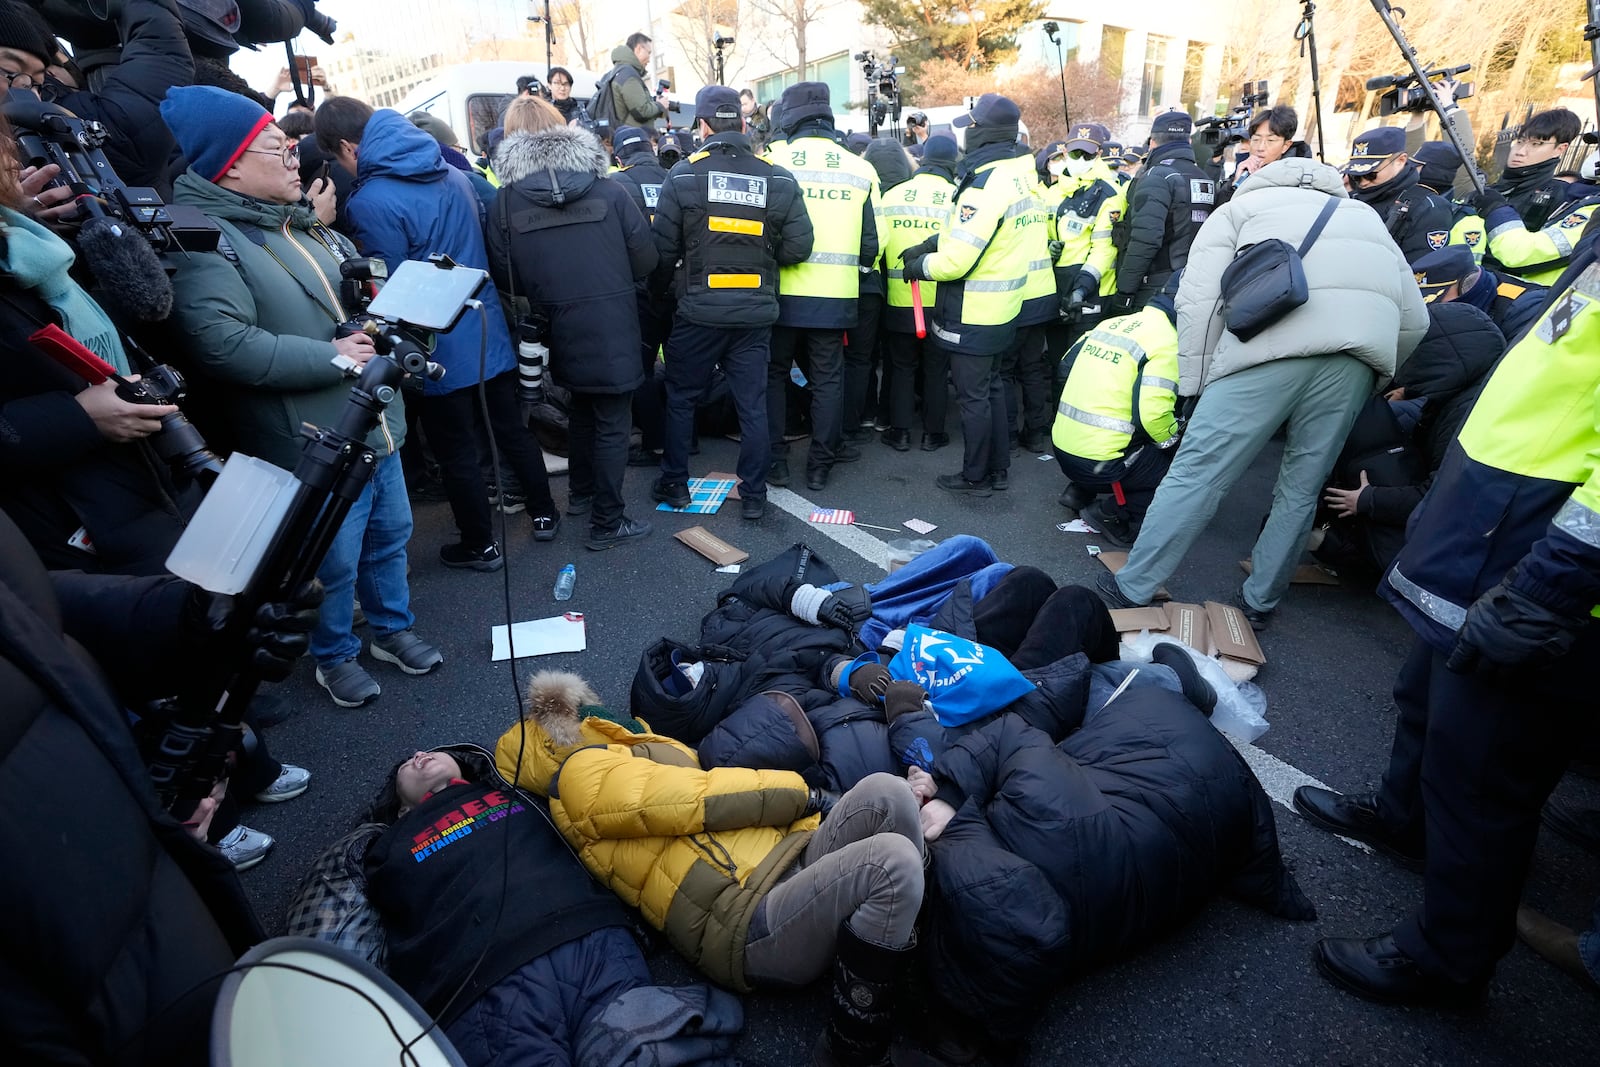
(532, 355)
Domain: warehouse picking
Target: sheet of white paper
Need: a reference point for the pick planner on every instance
(1075, 526)
(919, 526)
(540, 637)
(732, 568)
(1046, 458)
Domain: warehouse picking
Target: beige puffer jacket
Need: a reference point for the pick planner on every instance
(1364, 299)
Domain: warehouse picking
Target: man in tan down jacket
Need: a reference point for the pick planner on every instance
(1314, 369)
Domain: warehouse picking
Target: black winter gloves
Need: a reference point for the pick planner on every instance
(1487, 201)
(1507, 631)
(279, 634)
(902, 698)
(1119, 304)
(912, 258)
(869, 681)
(845, 609)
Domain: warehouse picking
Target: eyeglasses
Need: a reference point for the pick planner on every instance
(17, 79)
(1528, 142)
(1364, 179)
(1266, 139)
(559, 84)
(289, 154)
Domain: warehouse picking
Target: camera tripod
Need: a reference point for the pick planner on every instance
(1306, 34)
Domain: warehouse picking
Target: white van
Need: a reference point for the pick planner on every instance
(472, 97)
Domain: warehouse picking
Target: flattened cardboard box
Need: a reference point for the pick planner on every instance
(710, 546)
(1132, 620)
(1231, 634)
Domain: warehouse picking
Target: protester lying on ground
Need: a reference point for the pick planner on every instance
(756, 878)
(1383, 473)
(459, 886)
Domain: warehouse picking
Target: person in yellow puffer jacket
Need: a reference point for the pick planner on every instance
(756, 878)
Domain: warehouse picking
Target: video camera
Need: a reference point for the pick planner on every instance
(49, 133)
(177, 442)
(883, 90)
(361, 281)
(1234, 127)
(1406, 92)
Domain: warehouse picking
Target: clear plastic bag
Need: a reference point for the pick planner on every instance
(1241, 709)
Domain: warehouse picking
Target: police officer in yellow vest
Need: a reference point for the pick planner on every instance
(1117, 422)
(984, 254)
(1093, 200)
(1538, 255)
(1500, 579)
(913, 211)
(1026, 374)
(817, 299)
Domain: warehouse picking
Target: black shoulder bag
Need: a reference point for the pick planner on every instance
(1267, 280)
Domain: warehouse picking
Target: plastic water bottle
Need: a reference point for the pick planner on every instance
(565, 581)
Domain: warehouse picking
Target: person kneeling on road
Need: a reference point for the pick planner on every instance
(756, 878)
(1116, 425)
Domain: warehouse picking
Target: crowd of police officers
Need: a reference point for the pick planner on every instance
(1039, 288)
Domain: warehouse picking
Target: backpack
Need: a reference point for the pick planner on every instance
(602, 105)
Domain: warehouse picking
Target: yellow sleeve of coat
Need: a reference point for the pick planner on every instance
(1158, 391)
(1102, 252)
(972, 222)
(609, 793)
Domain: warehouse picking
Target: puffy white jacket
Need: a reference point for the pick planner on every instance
(1364, 300)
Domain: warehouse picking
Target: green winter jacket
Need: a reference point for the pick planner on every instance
(261, 330)
(631, 97)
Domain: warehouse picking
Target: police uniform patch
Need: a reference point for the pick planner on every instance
(968, 212)
(1437, 239)
(1421, 276)
(1573, 221)
(1116, 216)
(723, 188)
(1472, 237)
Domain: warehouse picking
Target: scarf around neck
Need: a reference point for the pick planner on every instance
(38, 260)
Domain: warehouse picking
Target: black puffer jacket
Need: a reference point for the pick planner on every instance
(1066, 854)
(60, 474)
(577, 247)
(115, 911)
(126, 94)
(1167, 203)
(1449, 368)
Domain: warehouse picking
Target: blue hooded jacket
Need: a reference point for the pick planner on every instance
(409, 203)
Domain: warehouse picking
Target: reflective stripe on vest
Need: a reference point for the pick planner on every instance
(832, 177)
(1158, 383)
(1435, 607)
(1099, 422)
(1580, 522)
(834, 259)
(919, 210)
(724, 224)
(1000, 286)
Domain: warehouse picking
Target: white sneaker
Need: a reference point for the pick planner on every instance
(290, 783)
(245, 847)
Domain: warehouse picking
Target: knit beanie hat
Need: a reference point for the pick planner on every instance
(20, 31)
(212, 126)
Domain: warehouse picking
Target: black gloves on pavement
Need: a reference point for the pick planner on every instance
(1507, 631)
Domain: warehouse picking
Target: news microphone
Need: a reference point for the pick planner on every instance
(1385, 81)
(131, 277)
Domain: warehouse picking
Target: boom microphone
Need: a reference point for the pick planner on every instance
(130, 275)
(1384, 81)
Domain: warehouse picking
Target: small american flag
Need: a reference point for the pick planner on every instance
(836, 516)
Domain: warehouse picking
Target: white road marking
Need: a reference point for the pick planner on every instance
(1278, 778)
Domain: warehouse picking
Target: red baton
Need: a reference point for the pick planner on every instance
(916, 309)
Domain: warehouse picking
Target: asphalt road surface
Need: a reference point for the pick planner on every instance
(1233, 986)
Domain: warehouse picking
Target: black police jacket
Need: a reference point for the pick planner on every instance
(1418, 219)
(731, 220)
(113, 910)
(1167, 203)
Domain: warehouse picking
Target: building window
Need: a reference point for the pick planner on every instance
(1194, 66)
(1152, 85)
(1113, 41)
(835, 73)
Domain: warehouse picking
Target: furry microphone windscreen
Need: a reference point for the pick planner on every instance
(130, 275)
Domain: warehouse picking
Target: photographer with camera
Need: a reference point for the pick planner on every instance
(121, 88)
(262, 314)
(409, 204)
(630, 101)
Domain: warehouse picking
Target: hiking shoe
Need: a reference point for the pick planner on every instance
(1106, 585)
(957, 483)
(778, 473)
(753, 507)
(545, 527)
(245, 847)
(1112, 527)
(899, 440)
(463, 557)
(1259, 620)
(290, 783)
(407, 651)
(627, 530)
(672, 494)
(1000, 480)
(579, 504)
(349, 684)
(932, 442)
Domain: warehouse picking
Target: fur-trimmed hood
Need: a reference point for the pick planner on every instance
(553, 166)
(564, 714)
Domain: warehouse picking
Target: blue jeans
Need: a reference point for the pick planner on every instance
(1589, 945)
(368, 553)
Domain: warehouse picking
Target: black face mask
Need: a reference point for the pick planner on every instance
(1531, 174)
(1378, 193)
